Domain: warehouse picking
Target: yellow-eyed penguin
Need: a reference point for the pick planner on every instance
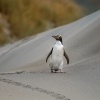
(57, 52)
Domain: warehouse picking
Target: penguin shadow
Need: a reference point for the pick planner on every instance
(58, 72)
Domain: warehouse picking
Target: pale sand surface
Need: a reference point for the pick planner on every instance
(17, 92)
(24, 74)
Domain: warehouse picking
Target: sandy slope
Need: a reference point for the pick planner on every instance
(82, 78)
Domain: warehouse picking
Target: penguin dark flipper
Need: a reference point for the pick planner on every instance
(66, 56)
(49, 54)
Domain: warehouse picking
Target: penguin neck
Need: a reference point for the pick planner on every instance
(59, 42)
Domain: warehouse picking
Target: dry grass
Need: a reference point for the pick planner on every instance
(28, 17)
(3, 37)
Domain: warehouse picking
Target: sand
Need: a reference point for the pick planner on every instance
(24, 74)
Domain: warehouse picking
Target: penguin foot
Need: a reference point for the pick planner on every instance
(62, 71)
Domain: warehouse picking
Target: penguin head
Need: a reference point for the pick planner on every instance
(58, 38)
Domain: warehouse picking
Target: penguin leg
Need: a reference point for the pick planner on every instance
(56, 70)
(53, 71)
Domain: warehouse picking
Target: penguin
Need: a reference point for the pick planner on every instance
(56, 55)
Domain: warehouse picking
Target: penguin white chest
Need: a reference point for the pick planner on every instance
(57, 52)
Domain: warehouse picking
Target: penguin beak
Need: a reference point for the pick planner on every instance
(54, 37)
